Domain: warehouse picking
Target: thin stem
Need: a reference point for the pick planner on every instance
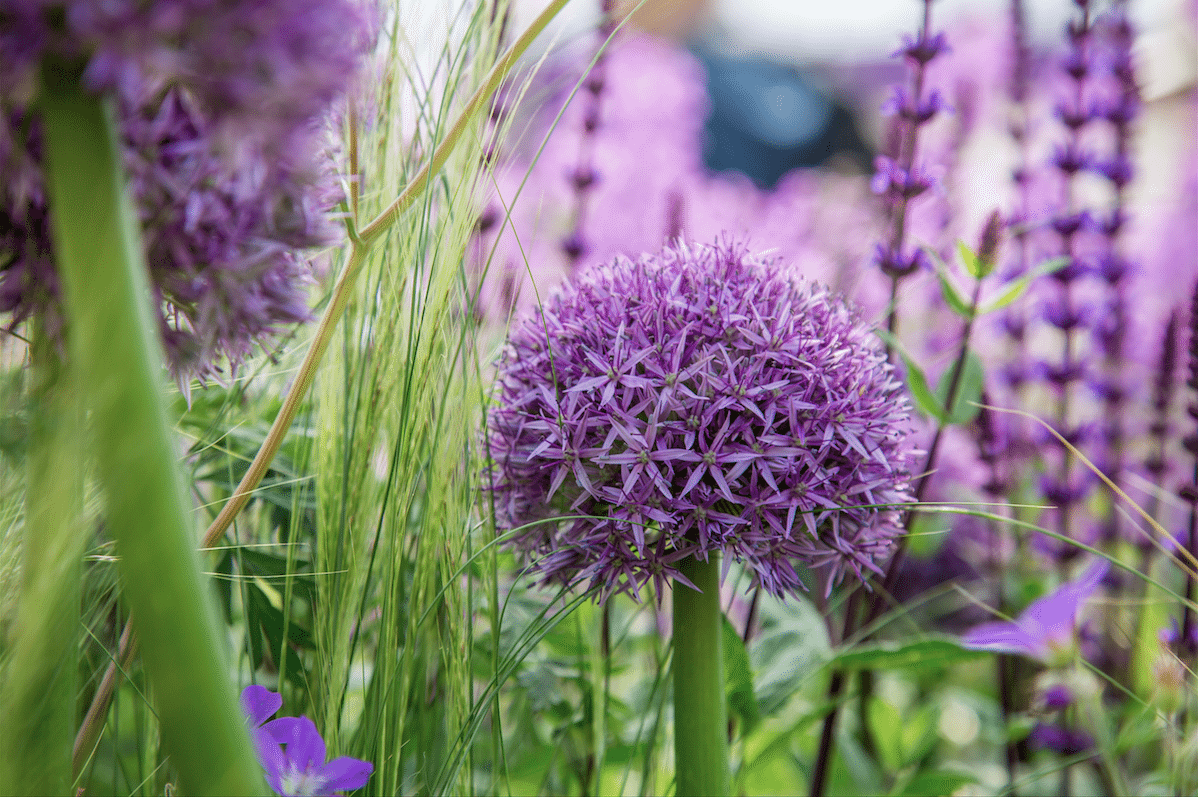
(700, 715)
(115, 351)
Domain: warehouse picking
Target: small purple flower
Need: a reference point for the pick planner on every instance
(1047, 629)
(692, 402)
(292, 751)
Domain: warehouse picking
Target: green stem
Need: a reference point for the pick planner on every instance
(114, 346)
(700, 713)
(37, 696)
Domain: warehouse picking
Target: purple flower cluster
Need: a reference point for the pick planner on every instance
(220, 109)
(293, 753)
(269, 67)
(692, 402)
(899, 177)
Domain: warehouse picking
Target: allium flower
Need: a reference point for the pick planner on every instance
(219, 113)
(1047, 630)
(697, 401)
(292, 751)
(267, 66)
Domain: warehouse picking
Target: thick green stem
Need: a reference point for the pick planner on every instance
(700, 712)
(37, 691)
(115, 350)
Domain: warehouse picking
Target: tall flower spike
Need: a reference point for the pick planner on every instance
(1120, 110)
(1070, 224)
(584, 176)
(695, 402)
(899, 177)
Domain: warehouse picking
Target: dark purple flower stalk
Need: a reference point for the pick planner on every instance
(900, 178)
(293, 753)
(1189, 492)
(1163, 386)
(1119, 110)
(693, 402)
(584, 176)
(1076, 114)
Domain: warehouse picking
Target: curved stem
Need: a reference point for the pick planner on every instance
(700, 713)
(115, 351)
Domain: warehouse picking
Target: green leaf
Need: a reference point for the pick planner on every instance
(1016, 288)
(969, 258)
(917, 655)
(738, 680)
(969, 391)
(886, 725)
(935, 783)
(917, 381)
(919, 734)
(955, 302)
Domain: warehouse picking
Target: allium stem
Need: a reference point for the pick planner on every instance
(700, 714)
(115, 350)
(37, 688)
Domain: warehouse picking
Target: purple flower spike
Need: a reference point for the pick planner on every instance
(697, 401)
(1047, 629)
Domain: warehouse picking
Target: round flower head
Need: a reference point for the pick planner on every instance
(220, 112)
(697, 401)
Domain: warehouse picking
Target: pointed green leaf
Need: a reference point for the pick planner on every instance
(738, 680)
(886, 725)
(917, 382)
(1017, 287)
(969, 258)
(968, 394)
(893, 655)
(954, 300)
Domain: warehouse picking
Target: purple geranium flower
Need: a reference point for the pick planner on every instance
(1047, 629)
(697, 401)
(293, 754)
(292, 751)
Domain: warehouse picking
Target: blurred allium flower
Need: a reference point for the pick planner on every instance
(292, 751)
(697, 401)
(1048, 629)
(220, 108)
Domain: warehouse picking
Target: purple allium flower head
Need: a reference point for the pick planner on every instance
(222, 242)
(267, 66)
(697, 401)
(1047, 629)
(293, 753)
(220, 107)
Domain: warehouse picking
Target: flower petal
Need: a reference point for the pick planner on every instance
(345, 773)
(259, 703)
